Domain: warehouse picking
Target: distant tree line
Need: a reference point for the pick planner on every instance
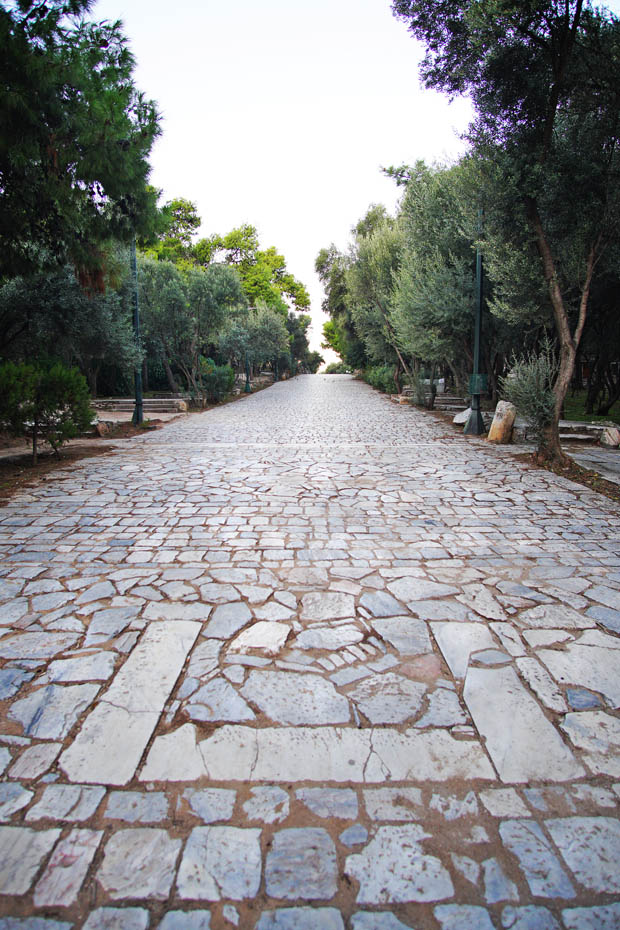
(538, 192)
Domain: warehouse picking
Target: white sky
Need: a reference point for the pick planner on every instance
(280, 113)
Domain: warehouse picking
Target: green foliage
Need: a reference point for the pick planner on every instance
(262, 271)
(48, 401)
(381, 377)
(75, 135)
(418, 389)
(529, 386)
(217, 380)
(181, 220)
(92, 330)
(337, 368)
(313, 362)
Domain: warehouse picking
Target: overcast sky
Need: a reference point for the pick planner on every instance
(280, 113)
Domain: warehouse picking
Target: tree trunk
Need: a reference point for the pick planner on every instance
(549, 447)
(397, 378)
(169, 376)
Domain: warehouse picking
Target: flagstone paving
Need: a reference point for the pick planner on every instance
(309, 661)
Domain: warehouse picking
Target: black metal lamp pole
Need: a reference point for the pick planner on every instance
(478, 382)
(248, 387)
(138, 412)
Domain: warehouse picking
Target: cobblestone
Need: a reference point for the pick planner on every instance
(310, 661)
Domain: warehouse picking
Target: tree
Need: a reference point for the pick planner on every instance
(50, 314)
(263, 271)
(51, 402)
(377, 254)
(180, 220)
(184, 311)
(75, 135)
(339, 332)
(544, 77)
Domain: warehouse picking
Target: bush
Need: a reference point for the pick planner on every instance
(381, 377)
(337, 368)
(418, 389)
(529, 386)
(47, 401)
(217, 380)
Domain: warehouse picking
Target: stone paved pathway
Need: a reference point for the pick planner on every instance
(309, 662)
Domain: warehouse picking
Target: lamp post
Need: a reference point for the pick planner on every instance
(138, 412)
(478, 383)
(248, 387)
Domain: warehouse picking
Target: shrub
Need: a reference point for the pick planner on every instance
(418, 389)
(381, 377)
(217, 380)
(529, 386)
(47, 401)
(337, 368)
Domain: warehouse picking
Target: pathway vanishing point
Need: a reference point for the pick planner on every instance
(309, 661)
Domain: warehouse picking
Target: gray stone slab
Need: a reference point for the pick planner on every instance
(301, 863)
(419, 589)
(296, 698)
(204, 658)
(228, 619)
(33, 923)
(457, 641)
(36, 645)
(529, 917)
(67, 802)
(185, 920)
(514, 728)
(265, 636)
(301, 918)
(152, 854)
(590, 846)
(443, 710)
(598, 734)
(330, 802)
(211, 804)
(60, 884)
(220, 862)
(377, 920)
(109, 622)
(463, 917)
(269, 804)
(11, 680)
(539, 864)
(400, 804)
(217, 700)
(394, 868)
(13, 797)
(22, 852)
(408, 635)
(354, 835)
(50, 712)
(35, 760)
(603, 917)
(117, 918)
(592, 665)
(381, 604)
(113, 737)
(388, 698)
(137, 806)
(497, 885)
(96, 667)
(327, 605)
(329, 638)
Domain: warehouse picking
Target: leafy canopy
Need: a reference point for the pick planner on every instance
(75, 135)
